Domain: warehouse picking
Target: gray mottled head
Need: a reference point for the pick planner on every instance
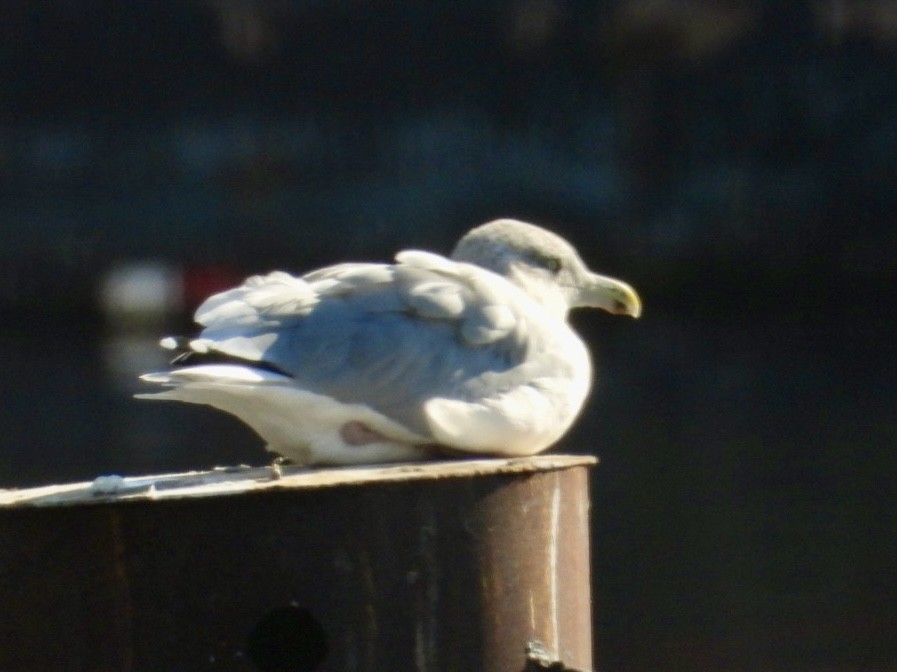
(545, 266)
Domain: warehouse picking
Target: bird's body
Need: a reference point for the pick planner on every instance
(366, 363)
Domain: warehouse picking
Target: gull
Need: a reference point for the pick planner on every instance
(362, 363)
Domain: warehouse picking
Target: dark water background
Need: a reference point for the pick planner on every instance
(736, 162)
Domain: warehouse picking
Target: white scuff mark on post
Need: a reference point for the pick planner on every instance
(553, 540)
(532, 612)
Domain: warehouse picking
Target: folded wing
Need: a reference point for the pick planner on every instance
(393, 337)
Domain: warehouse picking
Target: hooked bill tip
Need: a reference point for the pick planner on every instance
(633, 307)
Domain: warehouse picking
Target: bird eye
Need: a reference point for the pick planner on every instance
(550, 264)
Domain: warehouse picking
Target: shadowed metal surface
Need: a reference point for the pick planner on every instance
(461, 567)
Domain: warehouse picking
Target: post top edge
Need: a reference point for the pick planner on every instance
(244, 479)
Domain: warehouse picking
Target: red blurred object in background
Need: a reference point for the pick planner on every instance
(200, 282)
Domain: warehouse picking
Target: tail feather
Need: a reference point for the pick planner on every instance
(216, 374)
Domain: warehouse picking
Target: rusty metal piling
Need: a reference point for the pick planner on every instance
(461, 565)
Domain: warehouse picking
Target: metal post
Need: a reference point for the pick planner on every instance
(447, 566)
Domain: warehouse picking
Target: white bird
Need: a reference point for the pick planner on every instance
(361, 363)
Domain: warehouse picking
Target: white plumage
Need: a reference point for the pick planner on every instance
(363, 363)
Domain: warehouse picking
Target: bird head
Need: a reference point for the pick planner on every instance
(546, 267)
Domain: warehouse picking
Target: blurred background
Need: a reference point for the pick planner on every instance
(735, 161)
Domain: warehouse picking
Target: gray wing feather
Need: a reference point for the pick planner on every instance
(389, 336)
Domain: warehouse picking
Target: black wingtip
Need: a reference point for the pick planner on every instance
(191, 358)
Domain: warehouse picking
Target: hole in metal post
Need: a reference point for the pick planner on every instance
(287, 639)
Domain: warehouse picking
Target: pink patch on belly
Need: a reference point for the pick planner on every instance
(359, 434)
